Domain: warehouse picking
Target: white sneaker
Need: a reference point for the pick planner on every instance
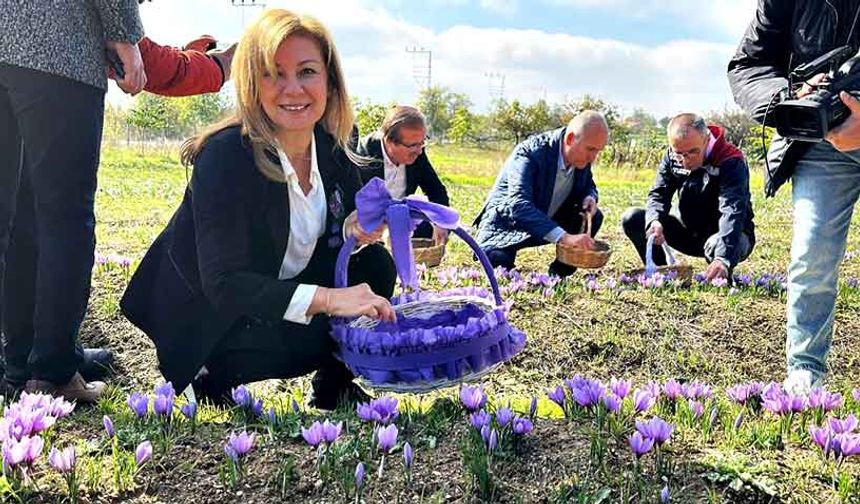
(801, 382)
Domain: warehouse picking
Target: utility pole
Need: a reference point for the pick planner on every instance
(422, 66)
(244, 4)
(497, 85)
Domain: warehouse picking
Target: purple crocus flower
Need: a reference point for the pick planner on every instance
(621, 388)
(313, 435)
(612, 403)
(855, 394)
(162, 405)
(739, 393)
(473, 398)
(359, 475)
(557, 396)
(480, 419)
(142, 453)
(522, 426)
(109, 429)
(21, 451)
(533, 405)
(408, 455)
(738, 420)
(331, 431)
(672, 390)
(643, 400)
(820, 436)
(485, 433)
(656, 428)
(824, 400)
(386, 437)
(504, 416)
(165, 389)
(849, 444)
(639, 444)
(60, 408)
(242, 396)
(588, 393)
(189, 410)
(138, 403)
(493, 441)
(62, 460)
(294, 405)
(712, 418)
(271, 416)
(382, 410)
(696, 408)
(664, 495)
(257, 407)
(842, 426)
(239, 445)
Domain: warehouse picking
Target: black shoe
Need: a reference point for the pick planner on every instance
(97, 364)
(349, 395)
(560, 269)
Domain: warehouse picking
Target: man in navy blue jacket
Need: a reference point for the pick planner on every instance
(714, 217)
(541, 192)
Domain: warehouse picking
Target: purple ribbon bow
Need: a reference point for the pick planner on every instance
(375, 205)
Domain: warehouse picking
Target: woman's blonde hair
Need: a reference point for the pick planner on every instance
(255, 55)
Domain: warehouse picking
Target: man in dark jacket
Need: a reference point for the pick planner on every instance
(825, 176)
(714, 217)
(541, 191)
(397, 150)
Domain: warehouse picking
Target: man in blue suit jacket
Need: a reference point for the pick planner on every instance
(541, 191)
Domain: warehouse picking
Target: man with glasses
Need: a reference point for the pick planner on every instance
(397, 150)
(542, 193)
(714, 217)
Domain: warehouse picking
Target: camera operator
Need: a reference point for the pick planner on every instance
(825, 176)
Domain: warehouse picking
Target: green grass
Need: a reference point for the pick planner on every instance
(701, 334)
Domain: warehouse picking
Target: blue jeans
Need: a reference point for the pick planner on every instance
(825, 187)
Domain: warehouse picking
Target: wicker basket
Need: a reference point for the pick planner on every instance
(438, 340)
(427, 252)
(582, 258)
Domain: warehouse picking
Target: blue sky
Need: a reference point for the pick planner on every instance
(665, 56)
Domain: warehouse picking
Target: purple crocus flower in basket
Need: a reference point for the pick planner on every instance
(437, 339)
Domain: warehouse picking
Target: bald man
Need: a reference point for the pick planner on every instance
(542, 192)
(713, 217)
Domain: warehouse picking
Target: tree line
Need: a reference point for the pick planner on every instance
(638, 138)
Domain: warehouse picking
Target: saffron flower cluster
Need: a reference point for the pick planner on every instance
(319, 433)
(381, 411)
(838, 438)
(23, 423)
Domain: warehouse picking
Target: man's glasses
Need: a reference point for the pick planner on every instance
(680, 155)
(412, 146)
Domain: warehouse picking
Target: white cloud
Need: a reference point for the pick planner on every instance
(679, 75)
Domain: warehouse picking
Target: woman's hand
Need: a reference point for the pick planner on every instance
(353, 228)
(351, 302)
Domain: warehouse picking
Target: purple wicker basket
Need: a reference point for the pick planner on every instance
(439, 338)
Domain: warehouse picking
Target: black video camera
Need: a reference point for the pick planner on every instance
(808, 119)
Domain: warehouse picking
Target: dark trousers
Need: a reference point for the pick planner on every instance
(50, 135)
(254, 351)
(571, 222)
(678, 236)
(424, 230)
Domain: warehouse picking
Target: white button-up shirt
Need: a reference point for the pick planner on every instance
(307, 225)
(395, 175)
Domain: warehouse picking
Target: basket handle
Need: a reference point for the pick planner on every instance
(650, 267)
(341, 273)
(586, 223)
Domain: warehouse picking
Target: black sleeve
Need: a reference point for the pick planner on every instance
(221, 185)
(430, 183)
(660, 195)
(760, 67)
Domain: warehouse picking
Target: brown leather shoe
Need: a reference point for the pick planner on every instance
(77, 389)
